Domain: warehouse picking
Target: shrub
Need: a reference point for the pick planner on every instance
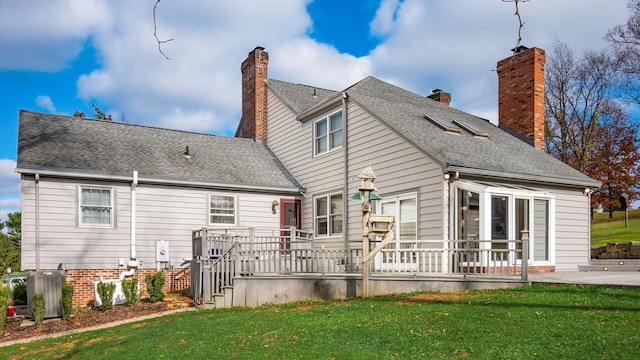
(155, 283)
(105, 291)
(130, 290)
(4, 300)
(20, 294)
(66, 301)
(38, 308)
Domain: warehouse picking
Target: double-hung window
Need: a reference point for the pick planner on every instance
(328, 215)
(222, 210)
(327, 133)
(96, 206)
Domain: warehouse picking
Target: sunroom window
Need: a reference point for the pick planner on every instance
(503, 213)
(328, 133)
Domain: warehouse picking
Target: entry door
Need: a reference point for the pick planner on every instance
(290, 216)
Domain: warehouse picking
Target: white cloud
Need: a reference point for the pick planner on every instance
(384, 20)
(46, 103)
(54, 32)
(453, 45)
(9, 179)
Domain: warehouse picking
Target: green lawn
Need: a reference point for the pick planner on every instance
(605, 230)
(539, 322)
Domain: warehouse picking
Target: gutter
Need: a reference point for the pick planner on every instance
(133, 264)
(544, 179)
(345, 197)
(37, 181)
(153, 180)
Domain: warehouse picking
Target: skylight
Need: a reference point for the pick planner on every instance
(472, 128)
(443, 123)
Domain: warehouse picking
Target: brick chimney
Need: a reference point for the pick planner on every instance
(521, 94)
(253, 123)
(440, 96)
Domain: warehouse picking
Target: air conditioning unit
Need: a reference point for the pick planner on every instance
(50, 284)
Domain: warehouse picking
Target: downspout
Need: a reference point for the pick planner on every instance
(37, 181)
(345, 197)
(132, 265)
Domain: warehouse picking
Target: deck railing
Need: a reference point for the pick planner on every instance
(220, 255)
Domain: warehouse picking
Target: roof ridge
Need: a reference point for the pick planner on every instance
(116, 123)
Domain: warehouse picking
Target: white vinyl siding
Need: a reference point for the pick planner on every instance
(95, 206)
(162, 213)
(397, 164)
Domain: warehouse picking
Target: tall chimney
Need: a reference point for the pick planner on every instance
(253, 123)
(521, 94)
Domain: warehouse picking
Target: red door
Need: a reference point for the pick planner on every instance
(290, 216)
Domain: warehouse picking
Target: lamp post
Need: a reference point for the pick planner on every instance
(367, 179)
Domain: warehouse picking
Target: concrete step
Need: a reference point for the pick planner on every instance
(623, 265)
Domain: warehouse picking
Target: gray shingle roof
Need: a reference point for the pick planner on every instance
(299, 97)
(501, 154)
(65, 143)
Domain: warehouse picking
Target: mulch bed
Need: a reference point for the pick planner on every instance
(86, 317)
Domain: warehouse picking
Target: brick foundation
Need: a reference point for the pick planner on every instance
(82, 281)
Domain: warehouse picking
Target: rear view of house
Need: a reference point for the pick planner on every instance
(467, 196)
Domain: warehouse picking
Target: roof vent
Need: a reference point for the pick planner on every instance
(187, 155)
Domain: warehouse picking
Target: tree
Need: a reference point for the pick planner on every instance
(9, 255)
(616, 160)
(100, 115)
(577, 91)
(625, 40)
(13, 225)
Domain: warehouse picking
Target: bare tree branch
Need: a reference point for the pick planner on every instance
(155, 32)
(520, 23)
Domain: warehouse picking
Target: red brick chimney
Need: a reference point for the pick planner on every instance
(253, 123)
(521, 94)
(440, 96)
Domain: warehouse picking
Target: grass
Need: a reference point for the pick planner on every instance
(605, 230)
(542, 321)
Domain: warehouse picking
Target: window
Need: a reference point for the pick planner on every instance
(96, 206)
(405, 210)
(328, 133)
(222, 210)
(506, 212)
(328, 214)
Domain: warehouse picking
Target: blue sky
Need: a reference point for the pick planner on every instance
(59, 56)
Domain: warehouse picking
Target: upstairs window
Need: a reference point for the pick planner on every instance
(96, 206)
(222, 210)
(328, 133)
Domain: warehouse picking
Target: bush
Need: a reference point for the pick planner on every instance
(4, 300)
(38, 308)
(20, 294)
(155, 283)
(105, 291)
(66, 301)
(130, 290)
